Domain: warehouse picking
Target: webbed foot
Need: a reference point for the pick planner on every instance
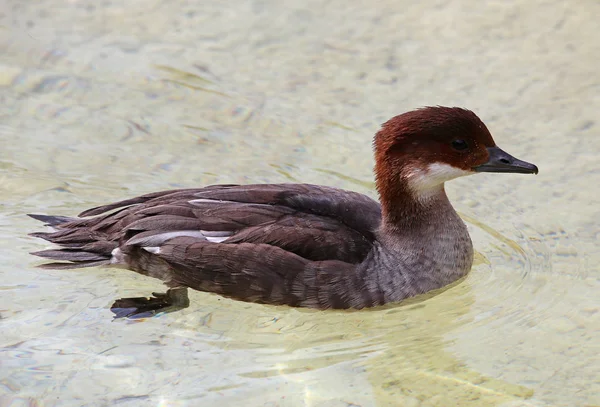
(174, 299)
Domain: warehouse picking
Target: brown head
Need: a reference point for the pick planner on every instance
(417, 151)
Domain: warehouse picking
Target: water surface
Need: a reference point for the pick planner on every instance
(101, 101)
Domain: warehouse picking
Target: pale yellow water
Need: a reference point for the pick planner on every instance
(103, 100)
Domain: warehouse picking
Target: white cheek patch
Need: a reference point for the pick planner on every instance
(433, 176)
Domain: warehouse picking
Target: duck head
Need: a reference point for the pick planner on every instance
(416, 152)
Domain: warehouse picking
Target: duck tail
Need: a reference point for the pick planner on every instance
(50, 220)
(79, 246)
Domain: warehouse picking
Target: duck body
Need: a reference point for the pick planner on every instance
(296, 244)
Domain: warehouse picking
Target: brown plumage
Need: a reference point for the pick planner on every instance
(275, 236)
(299, 244)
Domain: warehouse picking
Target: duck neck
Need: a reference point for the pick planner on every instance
(405, 209)
(422, 244)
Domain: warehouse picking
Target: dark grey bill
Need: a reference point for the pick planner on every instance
(501, 161)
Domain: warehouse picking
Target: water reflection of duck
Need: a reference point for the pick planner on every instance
(299, 244)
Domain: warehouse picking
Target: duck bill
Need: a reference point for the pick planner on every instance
(501, 161)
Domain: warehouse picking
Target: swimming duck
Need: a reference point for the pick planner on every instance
(300, 245)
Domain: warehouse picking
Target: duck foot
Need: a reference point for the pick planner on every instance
(174, 299)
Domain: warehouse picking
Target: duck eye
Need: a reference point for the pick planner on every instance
(459, 145)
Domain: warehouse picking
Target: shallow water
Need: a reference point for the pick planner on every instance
(102, 101)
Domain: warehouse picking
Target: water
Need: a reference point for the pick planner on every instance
(102, 101)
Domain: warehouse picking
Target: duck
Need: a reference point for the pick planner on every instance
(299, 245)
